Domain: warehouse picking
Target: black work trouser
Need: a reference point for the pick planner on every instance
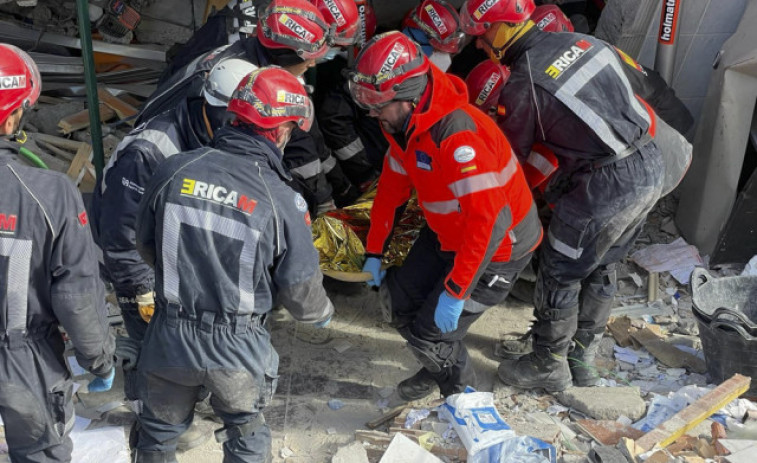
(35, 399)
(415, 288)
(236, 364)
(597, 216)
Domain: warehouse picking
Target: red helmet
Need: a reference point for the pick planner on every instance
(270, 96)
(485, 83)
(478, 15)
(440, 22)
(20, 82)
(294, 24)
(550, 18)
(368, 21)
(384, 69)
(344, 19)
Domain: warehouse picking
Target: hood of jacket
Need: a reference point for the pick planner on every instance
(236, 140)
(448, 93)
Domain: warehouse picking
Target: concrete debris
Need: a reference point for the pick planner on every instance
(608, 432)
(352, 453)
(605, 403)
(402, 450)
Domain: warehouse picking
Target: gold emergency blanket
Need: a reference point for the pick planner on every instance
(339, 236)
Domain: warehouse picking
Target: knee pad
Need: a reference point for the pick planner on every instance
(603, 282)
(554, 301)
(240, 431)
(434, 356)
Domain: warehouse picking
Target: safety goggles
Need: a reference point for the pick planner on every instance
(469, 25)
(369, 98)
(450, 44)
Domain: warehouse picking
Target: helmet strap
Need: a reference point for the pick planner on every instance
(507, 35)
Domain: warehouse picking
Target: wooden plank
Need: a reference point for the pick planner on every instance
(80, 120)
(620, 328)
(122, 108)
(80, 161)
(666, 433)
(385, 417)
(61, 153)
(667, 353)
(60, 142)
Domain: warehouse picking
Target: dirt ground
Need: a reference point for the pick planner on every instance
(355, 362)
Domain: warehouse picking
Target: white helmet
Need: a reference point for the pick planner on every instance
(223, 79)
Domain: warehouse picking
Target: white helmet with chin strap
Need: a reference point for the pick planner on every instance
(223, 79)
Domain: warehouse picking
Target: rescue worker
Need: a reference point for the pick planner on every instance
(48, 278)
(482, 222)
(646, 82)
(116, 197)
(291, 34)
(208, 328)
(433, 24)
(569, 92)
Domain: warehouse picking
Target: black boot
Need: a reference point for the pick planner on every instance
(417, 386)
(581, 358)
(541, 368)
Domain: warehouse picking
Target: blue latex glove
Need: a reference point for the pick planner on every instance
(448, 311)
(373, 265)
(102, 384)
(323, 324)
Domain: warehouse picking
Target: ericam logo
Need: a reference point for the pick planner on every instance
(334, 10)
(547, 20)
(436, 19)
(282, 96)
(391, 61)
(483, 8)
(488, 87)
(12, 82)
(296, 27)
(568, 58)
(217, 194)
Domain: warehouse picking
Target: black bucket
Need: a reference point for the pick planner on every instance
(726, 312)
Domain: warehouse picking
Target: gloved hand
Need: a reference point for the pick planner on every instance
(373, 265)
(323, 324)
(146, 305)
(448, 311)
(127, 352)
(102, 384)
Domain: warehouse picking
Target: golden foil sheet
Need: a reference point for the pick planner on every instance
(339, 236)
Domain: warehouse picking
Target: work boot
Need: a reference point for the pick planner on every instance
(539, 369)
(417, 386)
(191, 438)
(581, 358)
(514, 348)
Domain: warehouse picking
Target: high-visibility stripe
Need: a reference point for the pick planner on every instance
(442, 207)
(485, 181)
(309, 170)
(567, 95)
(541, 163)
(327, 165)
(350, 150)
(395, 166)
(159, 138)
(563, 248)
(19, 254)
(176, 215)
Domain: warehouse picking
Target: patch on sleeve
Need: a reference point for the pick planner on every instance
(83, 218)
(308, 221)
(464, 154)
(422, 160)
(300, 203)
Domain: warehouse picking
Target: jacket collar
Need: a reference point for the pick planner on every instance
(236, 140)
(191, 123)
(525, 43)
(448, 93)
